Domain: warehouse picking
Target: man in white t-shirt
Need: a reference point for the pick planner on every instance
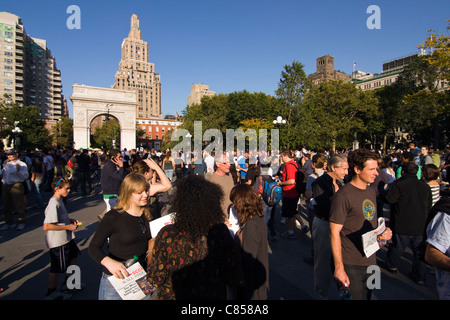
(209, 160)
(14, 173)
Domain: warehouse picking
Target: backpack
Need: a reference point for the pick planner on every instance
(300, 180)
(272, 192)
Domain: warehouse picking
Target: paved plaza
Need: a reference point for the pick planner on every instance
(24, 261)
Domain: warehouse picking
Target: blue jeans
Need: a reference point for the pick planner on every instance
(395, 252)
(37, 189)
(323, 258)
(269, 213)
(169, 173)
(106, 290)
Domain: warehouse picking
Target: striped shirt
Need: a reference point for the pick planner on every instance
(435, 193)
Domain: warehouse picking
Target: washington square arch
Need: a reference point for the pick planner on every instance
(90, 102)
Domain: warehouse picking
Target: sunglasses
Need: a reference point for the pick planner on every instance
(142, 225)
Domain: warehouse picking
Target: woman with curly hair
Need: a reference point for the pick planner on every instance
(252, 237)
(126, 229)
(192, 258)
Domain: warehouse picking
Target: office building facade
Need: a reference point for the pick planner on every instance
(136, 73)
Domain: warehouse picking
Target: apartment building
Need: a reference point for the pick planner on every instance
(28, 72)
(198, 91)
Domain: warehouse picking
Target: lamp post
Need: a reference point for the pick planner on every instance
(279, 121)
(59, 123)
(15, 132)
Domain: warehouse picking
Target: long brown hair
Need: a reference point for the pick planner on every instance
(246, 202)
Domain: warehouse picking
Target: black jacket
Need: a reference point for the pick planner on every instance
(322, 192)
(410, 200)
(111, 178)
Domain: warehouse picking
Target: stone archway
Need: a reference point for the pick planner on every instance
(90, 102)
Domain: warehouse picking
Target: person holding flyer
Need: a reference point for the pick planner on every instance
(126, 227)
(354, 213)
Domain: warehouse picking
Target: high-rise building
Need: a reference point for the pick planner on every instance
(12, 48)
(43, 81)
(28, 73)
(138, 74)
(197, 92)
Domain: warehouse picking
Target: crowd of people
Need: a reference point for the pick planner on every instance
(222, 223)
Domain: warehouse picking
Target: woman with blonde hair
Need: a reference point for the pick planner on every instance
(126, 228)
(252, 238)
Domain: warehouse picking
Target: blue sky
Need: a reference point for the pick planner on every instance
(229, 45)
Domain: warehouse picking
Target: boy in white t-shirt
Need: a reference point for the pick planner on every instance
(59, 237)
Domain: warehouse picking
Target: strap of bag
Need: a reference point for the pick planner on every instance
(202, 249)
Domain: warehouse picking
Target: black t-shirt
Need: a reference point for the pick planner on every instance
(128, 236)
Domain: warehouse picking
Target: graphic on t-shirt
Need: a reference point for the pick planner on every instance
(368, 209)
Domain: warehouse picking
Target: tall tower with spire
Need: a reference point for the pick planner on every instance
(138, 74)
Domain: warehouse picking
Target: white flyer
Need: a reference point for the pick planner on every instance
(135, 286)
(370, 239)
(158, 224)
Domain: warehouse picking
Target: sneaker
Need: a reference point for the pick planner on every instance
(64, 288)
(420, 282)
(7, 226)
(21, 226)
(305, 229)
(289, 235)
(58, 295)
(388, 267)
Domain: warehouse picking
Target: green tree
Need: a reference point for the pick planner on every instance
(228, 111)
(425, 104)
(63, 133)
(335, 111)
(291, 91)
(34, 133)
(438, 48)
(104, 135)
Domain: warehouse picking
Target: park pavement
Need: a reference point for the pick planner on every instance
(24, 260)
